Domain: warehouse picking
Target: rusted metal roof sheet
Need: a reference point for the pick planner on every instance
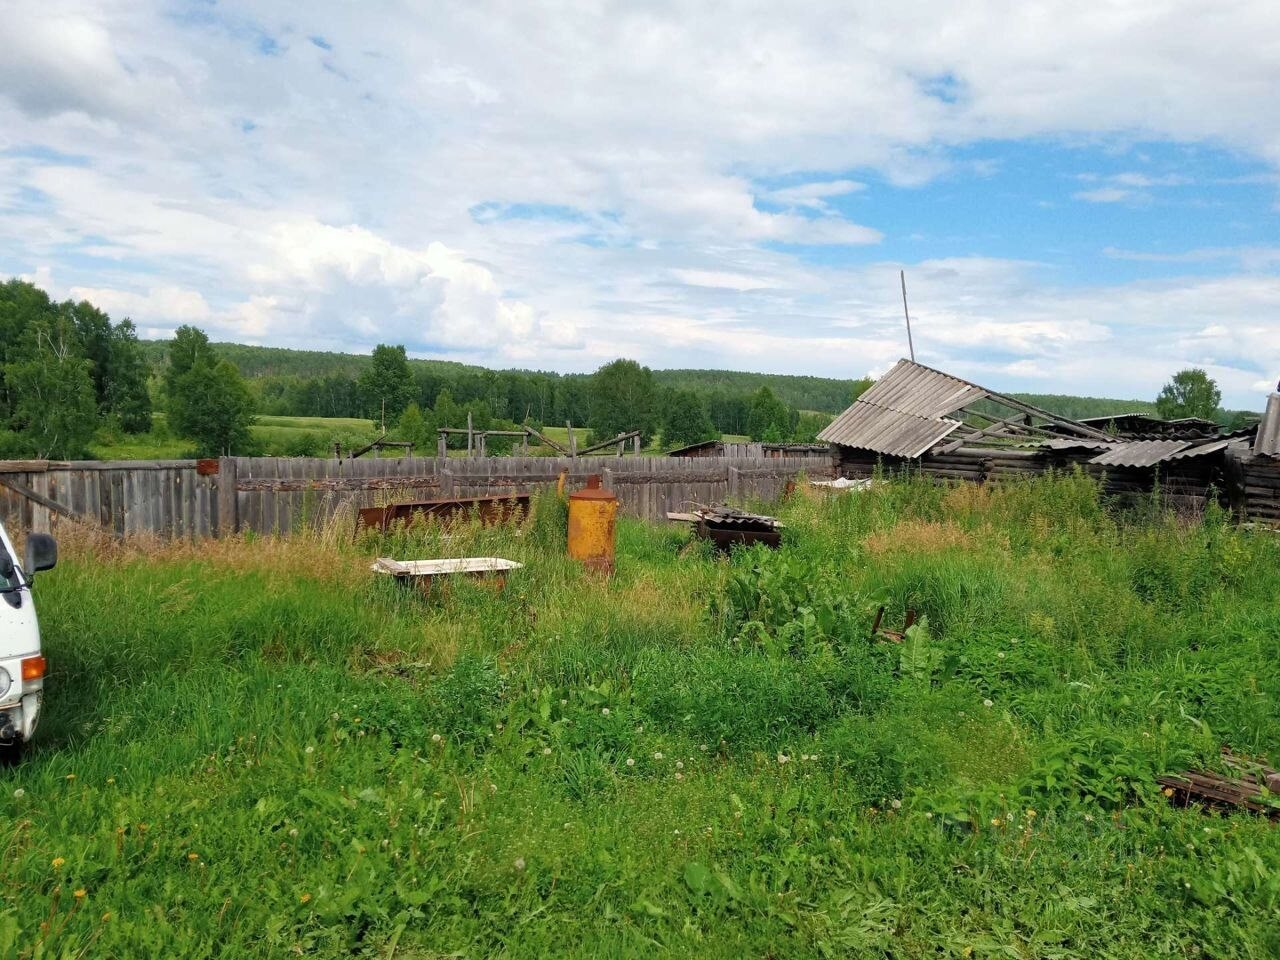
(904, 413)
(921, 391)
(1140, 453)
(1267, 443)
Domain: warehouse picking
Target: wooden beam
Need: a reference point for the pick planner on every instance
(51, 505)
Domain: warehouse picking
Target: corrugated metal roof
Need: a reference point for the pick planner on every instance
(1201, 449)
(921, 391)
(1140, 453)
(1064, 443)
(1267, 443)
(869, 427)
(904, 413)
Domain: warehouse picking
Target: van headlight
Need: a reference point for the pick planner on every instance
(5, 681)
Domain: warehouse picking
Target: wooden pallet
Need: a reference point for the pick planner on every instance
(1213, 790)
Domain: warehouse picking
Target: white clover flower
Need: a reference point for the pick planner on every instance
(679, 764)
(564, 702)
(783, 758)
(657, 755)
(19, 794)
(519, 864)
(679, 776)
(1000, 654)
(987, 703)
(546, 751)
(704, 748)
(293, 831)
(929, 815)
(604, 711)
(631, 761)
(310, 749)
(896, 804)
(435, 738)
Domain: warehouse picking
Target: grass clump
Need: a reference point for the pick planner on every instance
(255, 747)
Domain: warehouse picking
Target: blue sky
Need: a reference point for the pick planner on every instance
(1083, 202)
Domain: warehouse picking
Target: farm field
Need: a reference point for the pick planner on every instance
(256, 748)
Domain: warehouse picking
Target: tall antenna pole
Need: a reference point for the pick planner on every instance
(902, 274)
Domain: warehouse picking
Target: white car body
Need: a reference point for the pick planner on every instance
(22, 667)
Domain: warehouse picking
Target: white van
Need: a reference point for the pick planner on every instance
(22, 666)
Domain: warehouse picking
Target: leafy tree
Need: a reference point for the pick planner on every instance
(188, 348)
(418, 429)
(860, 387)
(809, 425)
(52, 389)
(623, 398)
(769, 419)
(686, 420)
(1191, 393)
(388, 380)
(212, 405)
(22, 305)
(127, 395)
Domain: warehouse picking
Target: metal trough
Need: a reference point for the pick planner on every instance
(489, 510)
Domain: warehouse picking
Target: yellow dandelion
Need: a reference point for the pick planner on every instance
(106, 916)
(81, 893)
(1168, 791)
(305, 898)
(193, 856)
(71, 776)
(57, 862)
(997, 822)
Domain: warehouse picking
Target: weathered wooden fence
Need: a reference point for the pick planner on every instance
(190, 498)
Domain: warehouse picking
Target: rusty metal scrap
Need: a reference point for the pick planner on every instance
(489, 510)
(725, 527)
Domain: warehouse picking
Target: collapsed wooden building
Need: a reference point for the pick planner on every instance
(917, 419)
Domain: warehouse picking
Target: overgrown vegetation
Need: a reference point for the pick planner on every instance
(257, 748)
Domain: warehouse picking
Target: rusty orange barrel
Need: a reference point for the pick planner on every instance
(592, 515)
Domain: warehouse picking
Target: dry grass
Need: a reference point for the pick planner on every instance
(920, 536)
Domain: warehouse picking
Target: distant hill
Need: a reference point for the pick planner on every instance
(819, 394)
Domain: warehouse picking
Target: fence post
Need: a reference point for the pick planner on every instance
(446, 482)
(228, 502)
(733, 483)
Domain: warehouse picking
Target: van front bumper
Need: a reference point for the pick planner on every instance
(18, 720)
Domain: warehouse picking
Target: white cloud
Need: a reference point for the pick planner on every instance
(160, 159)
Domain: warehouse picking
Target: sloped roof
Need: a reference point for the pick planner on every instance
(1267, 443)
(1147, 453)
(905, 413)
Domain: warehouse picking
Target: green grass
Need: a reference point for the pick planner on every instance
(257, 748)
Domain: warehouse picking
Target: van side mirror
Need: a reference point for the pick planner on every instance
(42, 554)
(6, 565)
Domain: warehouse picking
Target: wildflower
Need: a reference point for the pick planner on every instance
(896, 804)
(657, 755)
(928, 815)
(568, 826)
(193, 856)
(310, 749)
(493, 788)
(435, 738)
(81, 893)
(1000, 654)
(631, 761)
(987, 703)
(111, 779)
(305, 898)
(564, 702)
(1168, 791)
(704, 748)
(783, 758)
(679, 776)
(804, 757)
(71, 776)
(1031, 812)
(546, 751)
(997, 822)
(293, 831)
(19, 794)
(57, 862)
(334, 716)
(679, 764)
(106, 917)
(604, 711)
(519, 864)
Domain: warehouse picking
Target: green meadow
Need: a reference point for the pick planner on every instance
(258, 748)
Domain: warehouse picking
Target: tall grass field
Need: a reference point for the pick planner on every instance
(258, 748)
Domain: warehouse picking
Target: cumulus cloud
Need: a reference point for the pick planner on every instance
(218, 164)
